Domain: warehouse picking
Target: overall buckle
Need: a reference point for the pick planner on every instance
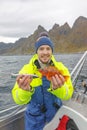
(43, 108)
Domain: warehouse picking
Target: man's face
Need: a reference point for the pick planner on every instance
(44, 53)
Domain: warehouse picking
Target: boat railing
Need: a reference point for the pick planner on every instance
(78, 94)
(10, 111)
(77, 69)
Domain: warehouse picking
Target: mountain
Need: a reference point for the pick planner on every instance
(4, 47)
(65, 39)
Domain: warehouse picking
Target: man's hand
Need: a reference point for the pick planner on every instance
(57, 81)
(24, 82)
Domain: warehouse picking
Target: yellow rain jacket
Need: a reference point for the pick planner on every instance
(23, 97)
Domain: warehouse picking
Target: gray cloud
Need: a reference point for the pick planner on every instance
(19, 18)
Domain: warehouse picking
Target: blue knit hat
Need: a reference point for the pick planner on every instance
(44, 40)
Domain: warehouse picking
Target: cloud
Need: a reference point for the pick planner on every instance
(20, 18)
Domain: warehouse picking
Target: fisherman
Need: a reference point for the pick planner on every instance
(42, 96)
(85, 86)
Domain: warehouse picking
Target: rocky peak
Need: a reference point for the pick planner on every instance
(55, 27)
(40, 28)
(80, 21)
(64, 29)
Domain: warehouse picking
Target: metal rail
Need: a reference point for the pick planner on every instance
(79, 62)
(17, 109)
(75, 72)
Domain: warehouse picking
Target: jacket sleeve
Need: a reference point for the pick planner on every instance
(19, 95)
(66, 91)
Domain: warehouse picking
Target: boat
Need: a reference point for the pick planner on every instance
(75, 108)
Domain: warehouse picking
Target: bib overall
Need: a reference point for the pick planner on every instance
(42, 107)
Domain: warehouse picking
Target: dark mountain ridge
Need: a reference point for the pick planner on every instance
(65, 38)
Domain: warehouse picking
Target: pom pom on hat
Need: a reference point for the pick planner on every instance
(43, 40)
(43, 34)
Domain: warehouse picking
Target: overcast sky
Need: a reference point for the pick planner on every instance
(20, 18)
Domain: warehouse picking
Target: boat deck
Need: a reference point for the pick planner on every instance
(78, 103)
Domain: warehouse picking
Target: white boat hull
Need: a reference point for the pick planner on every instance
(80, 120)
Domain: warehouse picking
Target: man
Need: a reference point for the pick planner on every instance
(41, 95)
(85, 86)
